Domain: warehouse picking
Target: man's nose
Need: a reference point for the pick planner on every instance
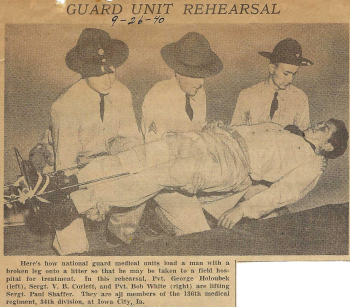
(105, 78)
(290, 78)
(108, 80)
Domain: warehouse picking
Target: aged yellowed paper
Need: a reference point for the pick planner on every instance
(149, 147)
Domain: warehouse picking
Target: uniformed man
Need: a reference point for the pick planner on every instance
(276, 99)
(217, 159)
(95, 115)
(179, 104)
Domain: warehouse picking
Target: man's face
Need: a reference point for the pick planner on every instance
(282, 75)
(190, 85)
(319, 134)
(102, 84)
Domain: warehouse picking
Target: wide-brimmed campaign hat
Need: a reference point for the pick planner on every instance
(95, 52)
(287, 51)
(192, 56)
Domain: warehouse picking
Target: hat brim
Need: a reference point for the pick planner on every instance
(300, 61)
(116, 53)
(212, 66)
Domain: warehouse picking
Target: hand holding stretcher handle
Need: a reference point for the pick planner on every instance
(83, 159)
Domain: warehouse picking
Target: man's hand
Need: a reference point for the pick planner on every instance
(120, 143)
(85, 158)
(41, 155)
(247, 118)
(231, 217)
(81, 159)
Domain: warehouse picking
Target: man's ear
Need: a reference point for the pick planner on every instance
(327, 147)
(272, 68)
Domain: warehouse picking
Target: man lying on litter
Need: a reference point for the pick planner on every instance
(219, 159)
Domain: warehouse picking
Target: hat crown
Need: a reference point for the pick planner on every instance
(193, 49)
(91, 38)
(288, 46)
(287, 51)
(191, 56)
(95, 53)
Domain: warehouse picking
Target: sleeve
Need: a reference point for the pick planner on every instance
(203, 111)
(288, 190)
(128, 134)
(303, 119)
(149, 122)
(65, 137)
(241, 114)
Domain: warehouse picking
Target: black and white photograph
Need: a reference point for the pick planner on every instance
(176, 139)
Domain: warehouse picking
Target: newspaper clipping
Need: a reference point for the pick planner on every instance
(150, 147)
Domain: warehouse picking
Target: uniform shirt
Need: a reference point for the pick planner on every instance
(254, 104)
(281, 157)
(77, 128)
(164, 110)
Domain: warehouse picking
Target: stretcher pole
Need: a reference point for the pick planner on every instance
(76, 185)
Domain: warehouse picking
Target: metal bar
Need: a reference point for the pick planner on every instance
(85, 183)
(55, 172)
(77, 185)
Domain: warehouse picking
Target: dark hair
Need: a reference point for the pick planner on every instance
(339, 140)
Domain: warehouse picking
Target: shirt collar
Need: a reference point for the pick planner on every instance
(179, 91)
(89, 92)
(272, 88)
(295, 130)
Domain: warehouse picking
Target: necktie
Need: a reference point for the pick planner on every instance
(102, 106)
(188, 108)
(295, 130)
(274, 105)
